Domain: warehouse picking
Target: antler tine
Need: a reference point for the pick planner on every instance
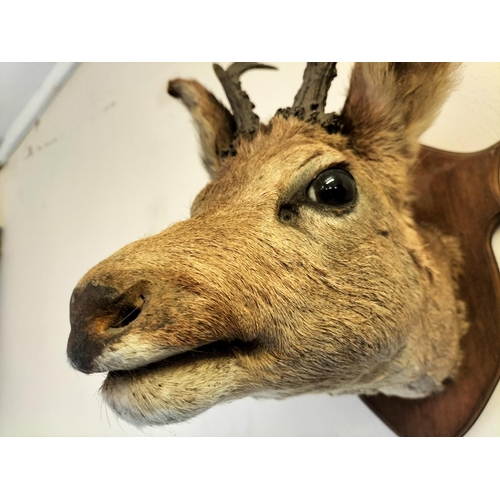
(247, 122)
(310, 101)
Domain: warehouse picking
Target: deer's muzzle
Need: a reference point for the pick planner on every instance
(99, 314)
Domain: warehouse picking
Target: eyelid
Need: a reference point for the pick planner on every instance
(343, 165)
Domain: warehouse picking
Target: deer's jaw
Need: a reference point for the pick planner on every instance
(179, 387)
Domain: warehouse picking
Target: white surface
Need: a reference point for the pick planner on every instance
(113, 159)
(25, 94)
(18, 82)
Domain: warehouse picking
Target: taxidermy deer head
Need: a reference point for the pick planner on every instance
(301, 269)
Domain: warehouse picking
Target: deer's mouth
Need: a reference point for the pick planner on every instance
(213, 351)
(181, 386)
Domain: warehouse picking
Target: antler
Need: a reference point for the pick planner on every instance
(309, 103)
(247, 122)
(311, 96)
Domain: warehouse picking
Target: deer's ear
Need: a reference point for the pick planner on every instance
(390, 105)
(215, 124)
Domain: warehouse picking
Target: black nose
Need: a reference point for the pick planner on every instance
(98, 314)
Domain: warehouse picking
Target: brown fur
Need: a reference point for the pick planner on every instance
(321, 299)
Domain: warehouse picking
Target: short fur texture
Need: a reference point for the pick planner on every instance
(299, 298)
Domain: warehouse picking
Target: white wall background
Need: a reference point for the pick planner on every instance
(114, 159)
(18, 82)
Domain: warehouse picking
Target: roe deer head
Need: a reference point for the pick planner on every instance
(301, 268)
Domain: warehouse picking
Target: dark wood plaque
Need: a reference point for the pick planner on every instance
(460, 194)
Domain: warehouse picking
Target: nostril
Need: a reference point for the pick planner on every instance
(128, 313)
(95, 308)
(97, 312)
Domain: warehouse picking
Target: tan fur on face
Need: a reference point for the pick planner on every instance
(346, 301)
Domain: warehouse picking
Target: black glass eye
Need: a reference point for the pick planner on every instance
(333, 187)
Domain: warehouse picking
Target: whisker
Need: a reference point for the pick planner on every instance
(414, 166)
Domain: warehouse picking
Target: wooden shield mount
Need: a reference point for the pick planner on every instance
(459, 194)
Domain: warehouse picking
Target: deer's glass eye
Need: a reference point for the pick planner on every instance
(333, 187)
